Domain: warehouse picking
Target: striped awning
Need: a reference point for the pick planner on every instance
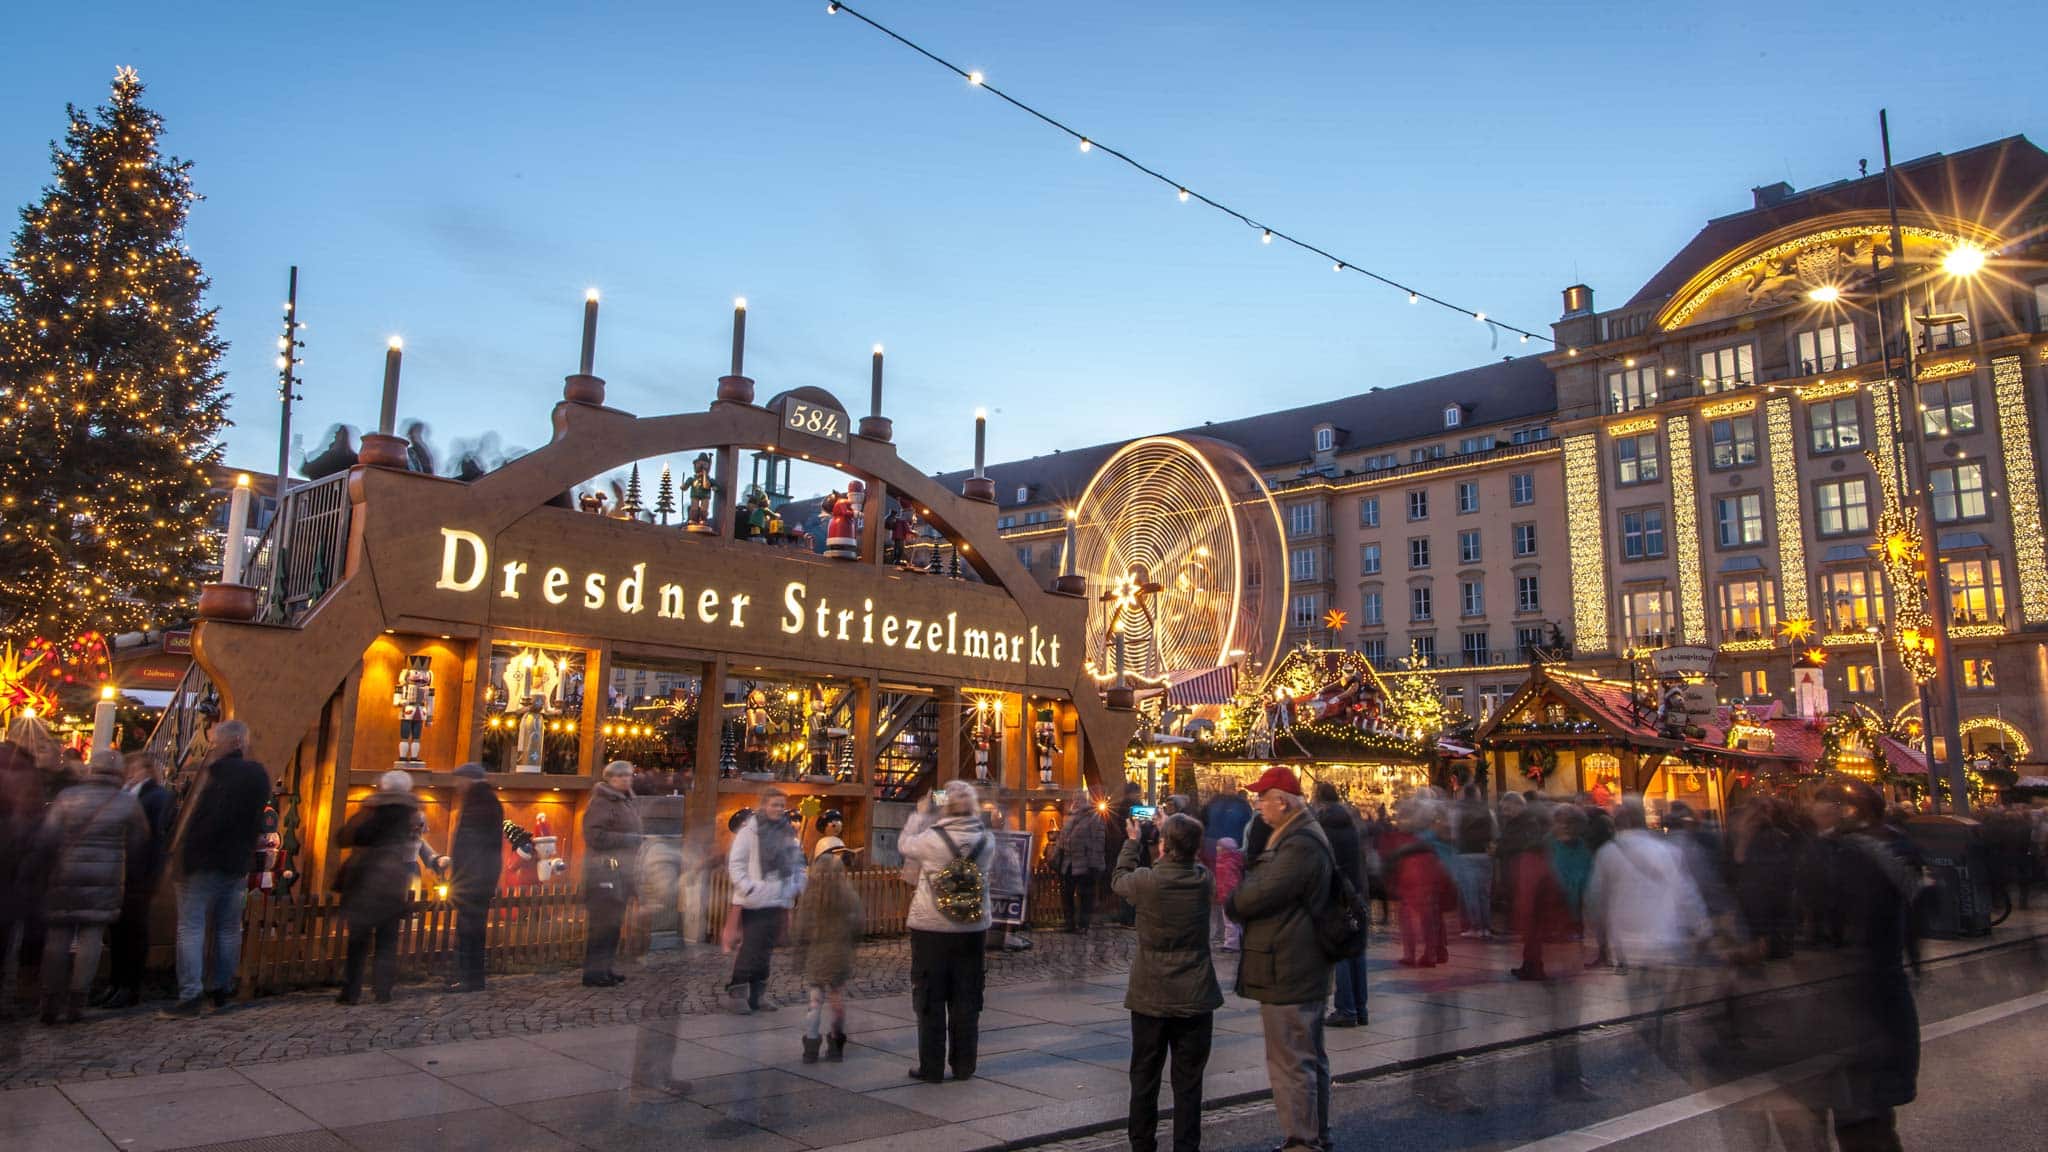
(1202, 686)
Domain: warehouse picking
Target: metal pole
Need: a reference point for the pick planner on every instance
(1916, 465)
(288, 386)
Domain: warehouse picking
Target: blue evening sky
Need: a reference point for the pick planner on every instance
(459, 173)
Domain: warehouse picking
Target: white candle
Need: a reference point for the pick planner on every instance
(739, 335)
(980, 440)
(589, 358)
(103, 720)
(387, 415)
(875, 385)
(235, 543)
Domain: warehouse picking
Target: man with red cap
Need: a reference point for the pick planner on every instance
(1282, 966)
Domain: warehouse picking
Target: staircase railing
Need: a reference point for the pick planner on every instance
(300, 557)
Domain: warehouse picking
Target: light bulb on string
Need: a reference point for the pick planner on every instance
(1266, 236)
(975, 78)
(1087, 144)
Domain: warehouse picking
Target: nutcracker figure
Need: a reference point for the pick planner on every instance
(987, 722)
(754, 738)
(1046, 735)
(413, 696)
(700, 488)
(842, 531)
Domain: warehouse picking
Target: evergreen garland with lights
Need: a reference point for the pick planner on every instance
(110, 390)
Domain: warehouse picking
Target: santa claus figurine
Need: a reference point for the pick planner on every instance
(842, 527)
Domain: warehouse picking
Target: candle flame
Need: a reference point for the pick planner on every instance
(981, 413)
(395, 344)
(590, 294)
(242, 480)
(106, 692)
(878, 349)
(739, 303)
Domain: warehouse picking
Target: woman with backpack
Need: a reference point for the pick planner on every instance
(951, 851)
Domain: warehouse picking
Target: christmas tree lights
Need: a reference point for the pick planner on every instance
(110, 395)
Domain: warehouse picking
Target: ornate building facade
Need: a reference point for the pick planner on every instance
(1705, 465)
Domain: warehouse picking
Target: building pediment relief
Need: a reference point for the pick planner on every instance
(1817, 268)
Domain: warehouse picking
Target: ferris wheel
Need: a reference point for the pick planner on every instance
(1181, 544)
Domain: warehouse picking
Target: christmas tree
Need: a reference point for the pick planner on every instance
(665, 495)
(110, 394)
(629, 504)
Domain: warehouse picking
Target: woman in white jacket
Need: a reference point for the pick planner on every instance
(945, 951)
(766, 867)
(1650, 912)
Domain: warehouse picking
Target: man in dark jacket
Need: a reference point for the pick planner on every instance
(611, 853)
(1083, 857)
(1172, 993)
(1282, 966)
(128, 939)
(213, 848)
(474, 856)
(1226, 816)
(1347, 847)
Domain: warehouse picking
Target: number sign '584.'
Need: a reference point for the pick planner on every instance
(812, 420)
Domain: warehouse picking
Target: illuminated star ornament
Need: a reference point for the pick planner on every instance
(1798, 628)
(20, 695)
(1335, 619)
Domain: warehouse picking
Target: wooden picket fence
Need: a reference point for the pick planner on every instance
(300, 941)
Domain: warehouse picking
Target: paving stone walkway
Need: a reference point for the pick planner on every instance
(539, 1063)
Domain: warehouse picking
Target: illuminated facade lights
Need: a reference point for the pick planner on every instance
(1685, 526)
(1584, 524)
(1785, 496)
(2022, 493)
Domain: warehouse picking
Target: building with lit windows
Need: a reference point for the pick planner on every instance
(1703, 465)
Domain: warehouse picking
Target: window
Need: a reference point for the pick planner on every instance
(1825, 349)
(1642, 533)
(1454, 698)
(1024, 558)
(1468, 497)
(1755, 682)
(1522, 487)
(1471, 598)
(1734, 440)
(1468, 546)
(1528, 593)
(1525, 539)
(1038, 516)
(1326, 439)
(1301, 565)
(1958, 491)
(1631, 388)
(1725, 368)
(1454, 415)
(1371, 609)
(1369, 512)
(1418, 552)
(1382, 462)
(1834, 425)
(1531, 435)
(1422, 650)
(1308, 610)
(1975, 593)
(1853, 600)
(1740, 519)
(1418, 504)
(1374, 650)
(1473, 444)
(1424, 455)
(1419, 606)
(1005, 522)
(1646, 617)
(1635, 459)
(1748, 609)
(1477, 647)
(1861, 678)
(1023, 493)
(1948, 406)
(1942, 323)
(1978, 674)
(1842, 507)
(1368, 559)
(1528, 641)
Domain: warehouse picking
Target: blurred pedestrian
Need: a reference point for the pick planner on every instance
(374, 883)
(128, 938)
(766, 867)
(1283, 967)
(1172, 994)
(1535, 896)
(26, 756)
(1229, 873)
(1082, 858)
(1227, 814)
(1652, 916)
(828, 922)
(952, 852)
(1472, 831)
(663, 808)
(218, 825)
(1419, 879)
(475, 859)
(1340, 828)
(611, 853)
(1571, 861)
(94, 827)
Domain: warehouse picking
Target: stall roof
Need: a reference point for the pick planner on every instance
(1607, 702)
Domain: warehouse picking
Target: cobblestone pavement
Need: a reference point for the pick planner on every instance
(309, 1023)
